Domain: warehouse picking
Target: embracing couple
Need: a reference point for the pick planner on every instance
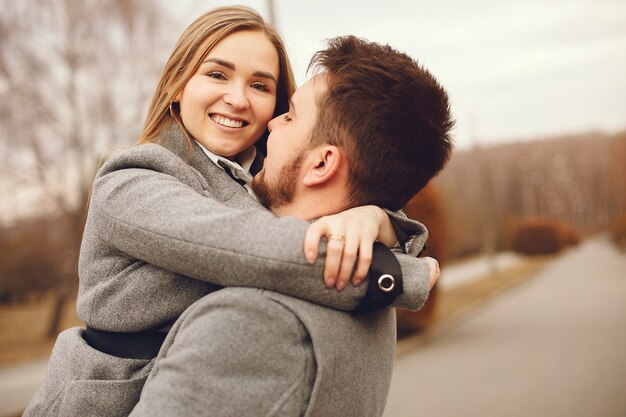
(245, 257)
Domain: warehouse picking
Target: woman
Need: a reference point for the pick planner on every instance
(168, 223)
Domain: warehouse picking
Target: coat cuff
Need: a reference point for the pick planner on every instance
(411, 234)
(385, 282)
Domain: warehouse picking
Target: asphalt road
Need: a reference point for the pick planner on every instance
(18, 384)
(555, 346)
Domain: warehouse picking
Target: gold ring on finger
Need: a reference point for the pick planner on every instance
(338, 238)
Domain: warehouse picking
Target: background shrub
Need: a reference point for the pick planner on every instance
(542, 236)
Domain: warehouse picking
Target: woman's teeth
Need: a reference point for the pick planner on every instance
(226, 122)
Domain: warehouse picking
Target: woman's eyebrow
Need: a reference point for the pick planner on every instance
(221, 62)
(232, 67)
(264, 74)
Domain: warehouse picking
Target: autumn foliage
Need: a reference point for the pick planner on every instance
(425, 207)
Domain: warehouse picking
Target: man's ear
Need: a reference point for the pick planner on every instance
(325, 166)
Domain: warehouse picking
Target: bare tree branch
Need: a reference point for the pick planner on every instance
(73, 85)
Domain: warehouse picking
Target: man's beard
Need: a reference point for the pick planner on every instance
(273, 196)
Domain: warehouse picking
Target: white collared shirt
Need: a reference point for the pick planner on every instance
(240, 169)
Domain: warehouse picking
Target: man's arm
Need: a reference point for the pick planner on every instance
(222, 358)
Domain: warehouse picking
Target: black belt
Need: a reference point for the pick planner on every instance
(138, 345)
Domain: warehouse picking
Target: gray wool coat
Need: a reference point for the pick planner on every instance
(275, 356)
(165, 227)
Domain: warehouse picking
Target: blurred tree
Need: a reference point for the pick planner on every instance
(31, 255)
(617, 176)
(578, 180)
(618, 232)
(75, 79)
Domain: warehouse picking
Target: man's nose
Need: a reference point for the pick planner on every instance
(273, 122)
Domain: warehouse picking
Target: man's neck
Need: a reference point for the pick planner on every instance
(312, 206)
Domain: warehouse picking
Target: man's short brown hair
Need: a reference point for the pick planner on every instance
(388, 113)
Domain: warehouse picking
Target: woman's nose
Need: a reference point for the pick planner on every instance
(237, 99)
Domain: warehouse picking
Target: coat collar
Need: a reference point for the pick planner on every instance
(219, 183)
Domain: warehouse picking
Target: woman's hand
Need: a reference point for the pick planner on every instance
(350, 233)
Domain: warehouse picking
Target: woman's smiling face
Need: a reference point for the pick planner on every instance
(227, 104)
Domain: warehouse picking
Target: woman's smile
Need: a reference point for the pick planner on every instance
(228, 121)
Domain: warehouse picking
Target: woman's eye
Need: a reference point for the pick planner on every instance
(261, 87)
(286, 117)
(217, 75)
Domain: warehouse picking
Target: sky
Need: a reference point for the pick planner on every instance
(513, 70)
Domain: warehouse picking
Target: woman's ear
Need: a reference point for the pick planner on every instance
(324, 167)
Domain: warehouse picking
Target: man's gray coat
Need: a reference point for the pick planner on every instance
(251, 352)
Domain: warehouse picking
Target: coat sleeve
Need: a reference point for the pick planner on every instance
(149, 209)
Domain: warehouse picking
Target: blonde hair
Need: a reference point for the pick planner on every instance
(194, 44)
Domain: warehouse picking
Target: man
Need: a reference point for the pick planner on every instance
(371, 128)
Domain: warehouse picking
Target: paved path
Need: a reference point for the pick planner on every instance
(18, 384)
(556, 346)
